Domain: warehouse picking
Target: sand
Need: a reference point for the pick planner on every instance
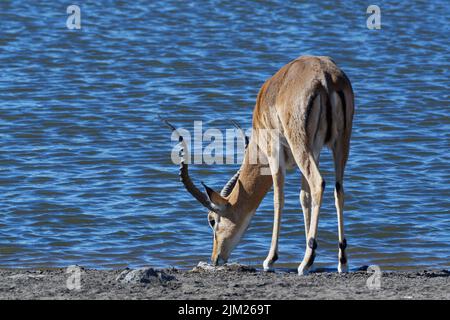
(233, 282)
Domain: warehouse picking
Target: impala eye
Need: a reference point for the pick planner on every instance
(212, 223)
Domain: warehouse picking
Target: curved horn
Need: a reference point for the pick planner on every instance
(246, 141)
(184, 174)
(232, 182)
(230, 185)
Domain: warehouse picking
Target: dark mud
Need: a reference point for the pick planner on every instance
(235, 282)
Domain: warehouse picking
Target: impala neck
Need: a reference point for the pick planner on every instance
(251, 187)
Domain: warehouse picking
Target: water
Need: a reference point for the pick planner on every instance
(85, 169)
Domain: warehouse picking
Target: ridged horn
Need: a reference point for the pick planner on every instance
(246, 139)
(230, 185)
(184, 174)
(232, 182)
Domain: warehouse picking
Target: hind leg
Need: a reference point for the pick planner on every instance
(306, 143)
(340, 154)
(278, 171)
(269, 142)
(316, 184)
(305, 201)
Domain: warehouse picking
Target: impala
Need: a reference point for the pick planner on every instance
(309, 103)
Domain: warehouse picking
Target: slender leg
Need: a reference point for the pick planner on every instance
(305, 200)
(307, 158)
(316, 183)
(278, 172)
(340, 156)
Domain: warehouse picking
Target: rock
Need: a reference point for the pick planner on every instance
(122, 275)
(75, 267)
(206, 267)
(144, 275)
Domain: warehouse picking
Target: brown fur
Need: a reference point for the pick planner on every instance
(303, 101)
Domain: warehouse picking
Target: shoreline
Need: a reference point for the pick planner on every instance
(228, 282)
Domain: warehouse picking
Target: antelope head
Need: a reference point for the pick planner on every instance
(222, 215)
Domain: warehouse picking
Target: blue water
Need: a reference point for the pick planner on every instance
(85, 169)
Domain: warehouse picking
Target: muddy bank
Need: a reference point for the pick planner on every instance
(234, 282)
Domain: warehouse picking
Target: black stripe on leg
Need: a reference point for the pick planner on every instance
(318, 122)
(344, 107)
(312, 243)
(311, 260)
(275, 257)
(309, 108)
(343, 244)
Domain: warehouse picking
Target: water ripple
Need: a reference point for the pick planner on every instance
(85, 166)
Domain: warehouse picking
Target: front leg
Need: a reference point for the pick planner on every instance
(278, 172)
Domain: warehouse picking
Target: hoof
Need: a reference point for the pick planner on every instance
(268, 266)
(303, 270)
(343, 268)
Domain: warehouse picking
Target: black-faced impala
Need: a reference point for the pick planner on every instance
(309, 103)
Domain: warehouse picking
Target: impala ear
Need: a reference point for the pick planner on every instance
(215, 197)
